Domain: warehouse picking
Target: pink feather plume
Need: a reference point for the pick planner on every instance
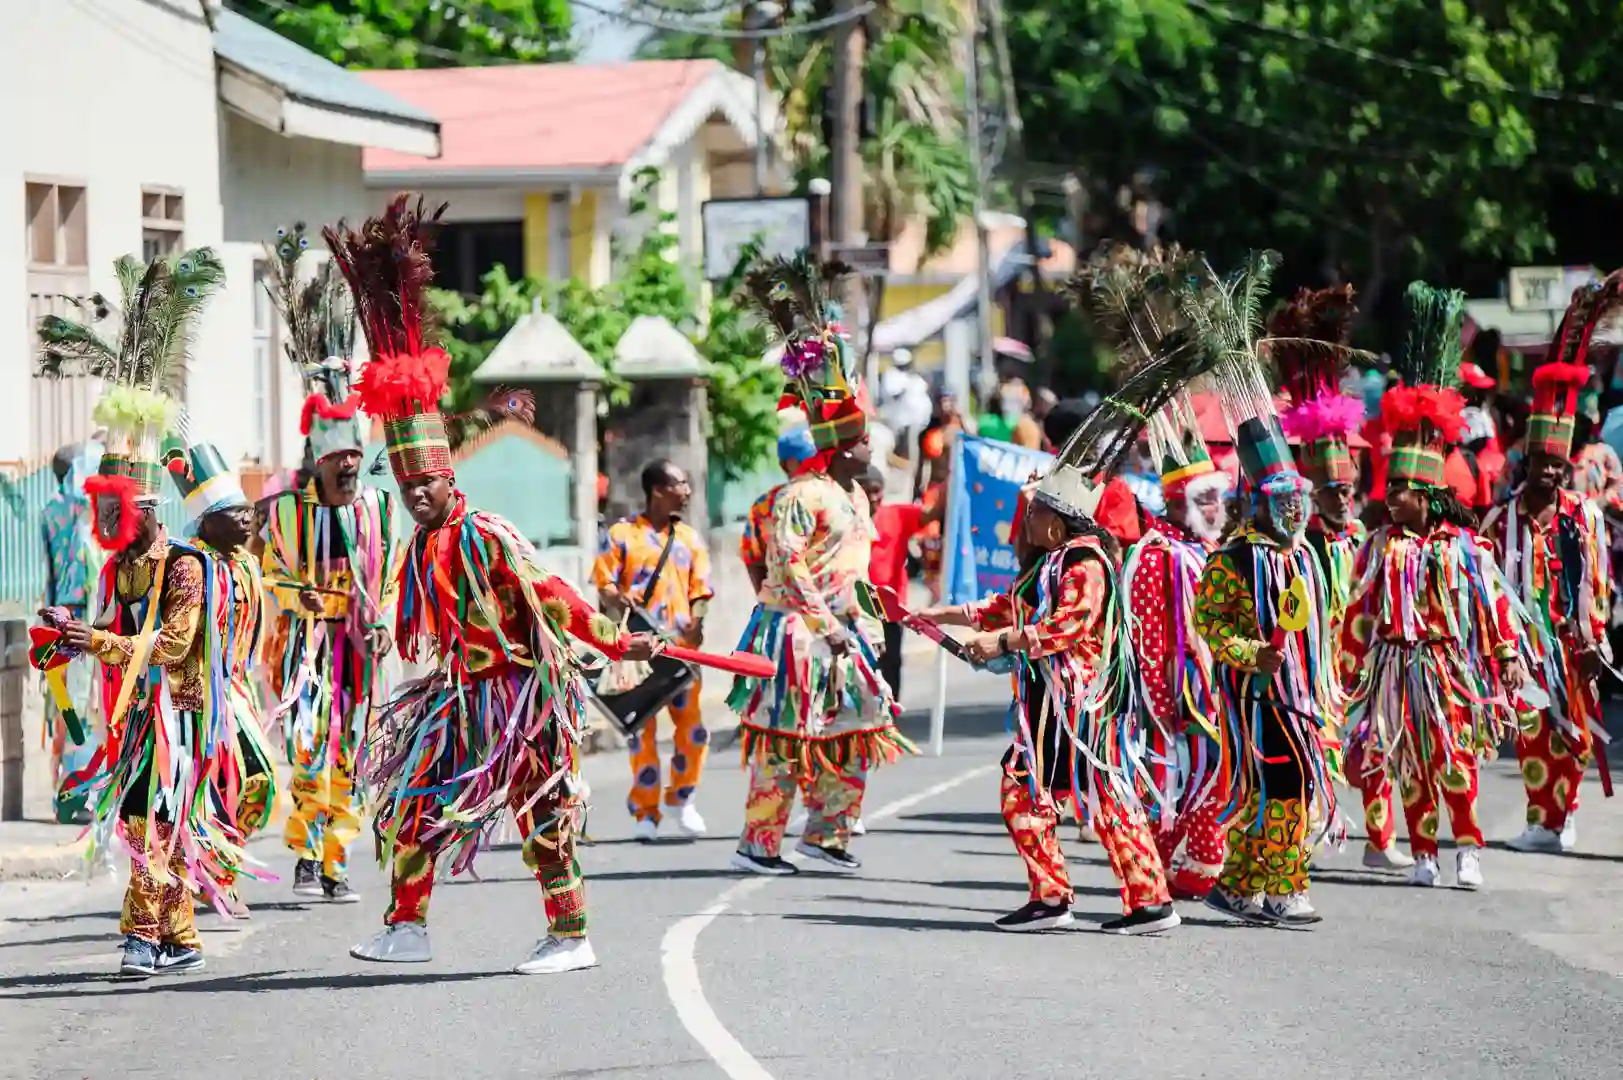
(1328, 416)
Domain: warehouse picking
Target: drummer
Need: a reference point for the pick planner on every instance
(676, 603)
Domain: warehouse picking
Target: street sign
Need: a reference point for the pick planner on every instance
(1547, 288)
(870, 260)
(782, 224)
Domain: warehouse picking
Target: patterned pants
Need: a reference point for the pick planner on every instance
(323, 823)
(1552, 769)
(1124, 833)
(692, 744)
(1457, 779)
(158, 912)
(1380, 824)
(550, 855)
(833, 799)
(1272, 859)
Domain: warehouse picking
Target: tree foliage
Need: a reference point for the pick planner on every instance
(915, 151)
(421, 33)
(1369, 140)
(647, 280)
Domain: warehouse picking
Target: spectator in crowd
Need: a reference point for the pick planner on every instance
(895, 524)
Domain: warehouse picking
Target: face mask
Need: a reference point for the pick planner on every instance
(1289, 515)
(1196, 520)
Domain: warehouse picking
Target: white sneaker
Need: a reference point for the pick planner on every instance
(797, 823)
(1536, 838)
(1424, 873)
(645, 831)
(1468, 868)
(1086, 835)
(402, 943)
(858, 828)
(689, 821)
(1390, 857)
(1569, 832)
(1292, 909)
(555, 955)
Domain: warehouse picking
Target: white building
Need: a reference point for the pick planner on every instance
(133, 126)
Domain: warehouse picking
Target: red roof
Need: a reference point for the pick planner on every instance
(540, 116)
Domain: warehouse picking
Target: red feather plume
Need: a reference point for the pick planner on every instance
(387, 266)
(317, 404)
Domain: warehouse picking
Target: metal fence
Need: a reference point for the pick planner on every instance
(22, 522)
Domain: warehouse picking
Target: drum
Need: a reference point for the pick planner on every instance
(629, 694)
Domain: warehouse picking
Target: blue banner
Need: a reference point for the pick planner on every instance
(978, 552)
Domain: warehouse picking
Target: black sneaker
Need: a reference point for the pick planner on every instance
(770, 865)
(337, 891)
(1146, 920)
(140, 958)
(305, 880)
(1036, 916)
(838, 858)
(178, 960)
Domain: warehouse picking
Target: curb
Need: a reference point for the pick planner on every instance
(50, 862)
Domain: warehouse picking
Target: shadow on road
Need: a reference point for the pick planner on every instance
(81, 984)
(886, 922)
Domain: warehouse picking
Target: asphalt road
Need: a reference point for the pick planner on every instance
(894, 972)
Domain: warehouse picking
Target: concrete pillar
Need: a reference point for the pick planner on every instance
(13, 683)
(585, 452)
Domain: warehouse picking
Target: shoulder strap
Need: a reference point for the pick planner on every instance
(659, 567)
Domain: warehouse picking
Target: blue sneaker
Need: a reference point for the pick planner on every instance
(178, 960)
(140, 958)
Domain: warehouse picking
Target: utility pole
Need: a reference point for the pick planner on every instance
(983, 260)
(845, 158)
(760, 15)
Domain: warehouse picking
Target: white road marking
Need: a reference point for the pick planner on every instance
(681, 969)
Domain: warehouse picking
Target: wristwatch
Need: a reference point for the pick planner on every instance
(1003, 643)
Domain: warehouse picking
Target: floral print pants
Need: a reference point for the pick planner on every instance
(550, 855)
(156, 911)
(1124, 833)
(833, 800)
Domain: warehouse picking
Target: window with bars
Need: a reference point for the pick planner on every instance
(163, 223)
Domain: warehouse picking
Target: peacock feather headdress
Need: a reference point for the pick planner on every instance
(1424, 413)
(319, 318)
(143, 371)
(1225, 314)
(1131, 298)
(794, 297)
(1134, 302)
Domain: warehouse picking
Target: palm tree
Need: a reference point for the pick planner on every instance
(915, 154)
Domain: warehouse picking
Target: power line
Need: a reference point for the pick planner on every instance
(1350, 150)
(815, 26)
(1436, 70)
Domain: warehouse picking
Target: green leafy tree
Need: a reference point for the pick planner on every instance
(421, 33)
(1369, 140)
(915, 159)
